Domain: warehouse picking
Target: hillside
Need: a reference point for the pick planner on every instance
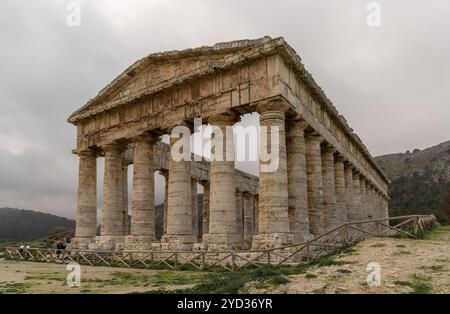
(420, 181)
(20, 224)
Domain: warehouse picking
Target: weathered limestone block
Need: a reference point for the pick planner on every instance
(143, 200)
(179, 211)
(223, 220)
(297, 181)
(315, 184)
(339, 180)
(273, 221)
(86, 215)
(329, 195)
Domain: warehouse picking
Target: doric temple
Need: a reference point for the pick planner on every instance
(325, 176)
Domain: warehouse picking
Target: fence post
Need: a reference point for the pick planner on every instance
(232, 261)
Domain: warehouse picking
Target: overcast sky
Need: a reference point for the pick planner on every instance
(392, 82)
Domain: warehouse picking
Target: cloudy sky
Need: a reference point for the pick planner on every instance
(392, 82)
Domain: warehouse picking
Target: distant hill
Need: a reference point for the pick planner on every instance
(23, 225)
(420, 181)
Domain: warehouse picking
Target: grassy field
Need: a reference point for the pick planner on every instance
(407, 266)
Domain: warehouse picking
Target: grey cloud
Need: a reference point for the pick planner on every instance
(391, 83)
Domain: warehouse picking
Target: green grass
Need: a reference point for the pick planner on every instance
(418, 285)
(343, 271)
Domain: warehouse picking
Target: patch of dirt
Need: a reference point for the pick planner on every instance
(407, 266)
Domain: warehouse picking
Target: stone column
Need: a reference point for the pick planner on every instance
(273, 181)
(348, 171)
(329, 195)
(355, 214)
(249, 220)
(256, 215)
(370, 203)
(206, 195)
(125, 197)
(143, 195)
(194, 207)
(297, 185)
(86, 215)
(315, 184)
(179, 206)
(223, 228)
(362, 185)
(240, 215)
(339, 181)
(112, 213)
(166, 198)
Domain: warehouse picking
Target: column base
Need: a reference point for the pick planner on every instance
(177, 242)
(81, 243)
(302, 237)
(135, 243)
(271, 240)
(109, 243)
(217, 242)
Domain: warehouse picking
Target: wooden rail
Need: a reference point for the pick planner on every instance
(306, 252)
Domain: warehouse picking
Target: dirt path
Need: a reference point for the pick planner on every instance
(407, 266)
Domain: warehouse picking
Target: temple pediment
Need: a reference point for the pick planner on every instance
(162, 70)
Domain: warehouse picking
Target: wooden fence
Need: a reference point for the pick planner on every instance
(306, 252)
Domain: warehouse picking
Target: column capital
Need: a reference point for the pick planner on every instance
(88, 152)
(296, 126)
(328, 149)
(273, 105)
(314, 137)
(223, 119)
(114, 147)
(146, 137)
(339, 158)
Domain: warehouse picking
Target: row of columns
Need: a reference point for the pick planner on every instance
(312, 190)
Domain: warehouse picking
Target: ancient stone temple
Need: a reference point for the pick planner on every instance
(325, 176)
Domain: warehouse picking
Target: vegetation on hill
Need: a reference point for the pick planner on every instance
(420, 181)
(24, 225)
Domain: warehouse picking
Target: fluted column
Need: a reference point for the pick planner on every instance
(355, 214)
(179, 206)
(205, 219)
(297, 181)
(248, 217)
(362, 185)
(194, 206)
(273, 180)
(125, 197)
(339, 181)
(223, 228)
(86, 214)
(112, 213)
(315, 184)
(329, 194)
(256, 215)
(348, 171)
(165, 173)
(143, 195)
